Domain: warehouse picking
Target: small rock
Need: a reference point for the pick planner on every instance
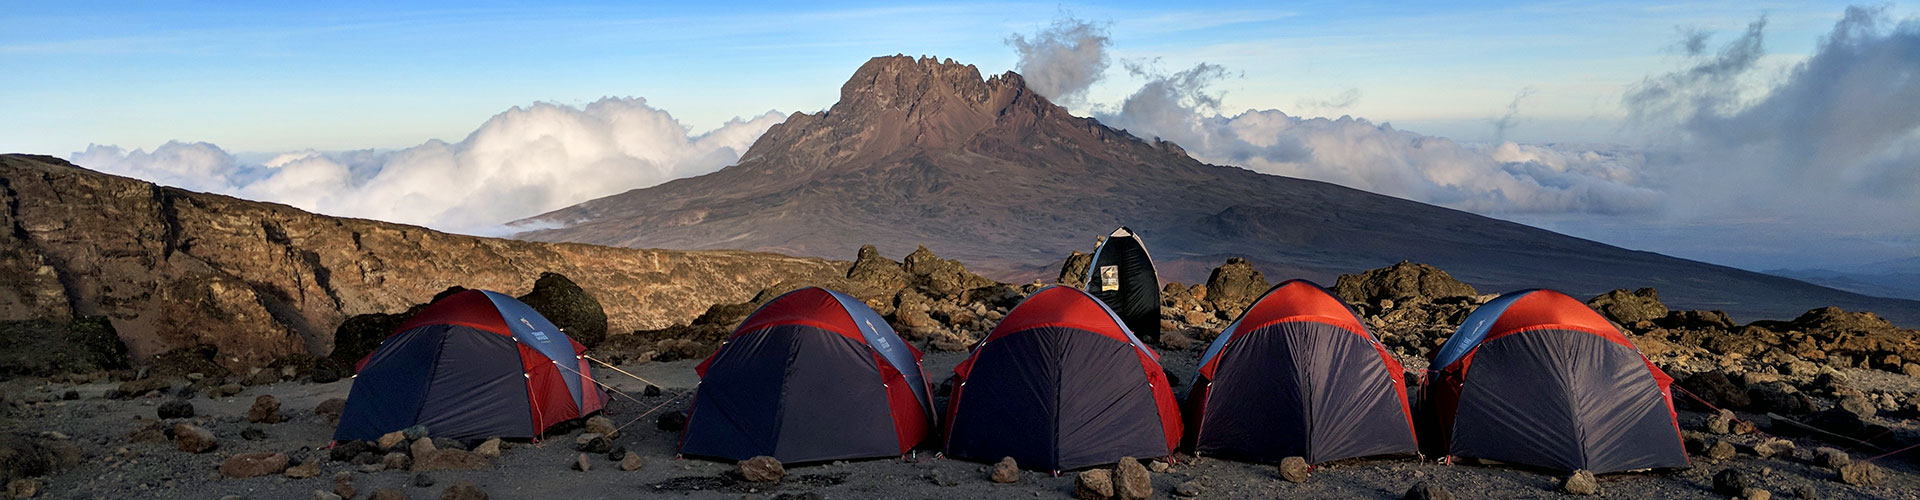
(1805, 491)
(253, 434)
(632, 462)
(617, 453)
(1861, 474)
(178, 408)
(1773, 447)
(225, 390)
(762, 469)
(1755, 494)
(265, 410)
(1191, 489)
(346, 450)
(322, 495)
(396, 461)
(415, 433)
(310, 468)
(343, 484)
(652, 391)
(1580, 482)
(332, 408)
(1731, 482)
(254, 465)
(582, 463)
(1831, 458)
(489, 449)
(1721, 450)
(25, 487)
(1006, 471)
(1094, 484)
(1859, 406)
(1295, 469)
(464, 490)
(1131, 480)
(1721, 422)
(387, 494)
(592, 443)
(151, 432)
(193, 439)
(1425, 490)
(421, 481)
(603, 426)
(1717, 390)
(422, 447)
(391, 440)
(672, 421)
(1159, 467)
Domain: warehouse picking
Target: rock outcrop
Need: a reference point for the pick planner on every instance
(1235, 285)
(569, 307)
(1629, 308)
(42, 346)
(1074, 270)
(1398, 282)
(171, 269)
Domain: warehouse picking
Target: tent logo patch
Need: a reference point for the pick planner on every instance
(537, 334)
(1109, 278)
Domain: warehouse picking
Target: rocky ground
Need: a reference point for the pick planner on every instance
(1829, 379)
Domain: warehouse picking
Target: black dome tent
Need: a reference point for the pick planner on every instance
(1121, 275)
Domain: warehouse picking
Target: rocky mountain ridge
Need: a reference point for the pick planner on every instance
(920, 151)
(171, 269)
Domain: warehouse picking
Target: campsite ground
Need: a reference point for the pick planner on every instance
(117, 468)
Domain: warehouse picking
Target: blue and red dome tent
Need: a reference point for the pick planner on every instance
(1061, 384)
(1537, 378)
(812, 375)
(473, 365)
(1298, 374)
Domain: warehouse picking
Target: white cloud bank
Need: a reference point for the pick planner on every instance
(1776, 167)
(1834, 143)
(520, 163)
(1353, 152)
(1182, 107)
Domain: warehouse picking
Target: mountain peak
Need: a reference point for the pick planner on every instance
(901, 82)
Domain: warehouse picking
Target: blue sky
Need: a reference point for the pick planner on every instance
(355, 75)
(599, 79)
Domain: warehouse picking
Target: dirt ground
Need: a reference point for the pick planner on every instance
(116, 468)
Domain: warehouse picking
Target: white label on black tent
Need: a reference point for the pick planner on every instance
(1109, 278)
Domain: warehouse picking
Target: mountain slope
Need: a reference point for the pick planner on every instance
(170, 268)
(920, 151)
(1897, 278)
